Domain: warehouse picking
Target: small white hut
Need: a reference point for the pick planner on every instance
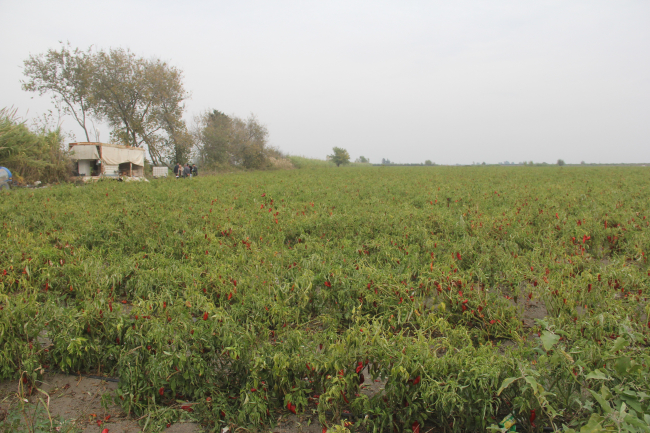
(104, 159)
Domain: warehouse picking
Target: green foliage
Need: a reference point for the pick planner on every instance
(31, 154)
(231, 141)
(294, 291)
(340, 156)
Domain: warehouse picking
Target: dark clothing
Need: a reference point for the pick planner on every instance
(176, 167)
(186, 171)
(195, 171)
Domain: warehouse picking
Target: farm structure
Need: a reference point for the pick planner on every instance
(104, 159)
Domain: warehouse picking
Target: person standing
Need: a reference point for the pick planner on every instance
(177, 168)
(186, 171)
(195, 170)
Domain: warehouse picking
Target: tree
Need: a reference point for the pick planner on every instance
(142, 101)
(212, 131)
(363, 160)
(428, 162)
(248, 145)
(340, 156)
(226, 139)
(68, 76)
(560, 162)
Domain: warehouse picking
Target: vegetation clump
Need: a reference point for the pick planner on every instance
(32, 154)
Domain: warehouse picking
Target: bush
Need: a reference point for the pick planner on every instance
(31, 155)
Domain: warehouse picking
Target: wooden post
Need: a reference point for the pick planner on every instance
(130, 169)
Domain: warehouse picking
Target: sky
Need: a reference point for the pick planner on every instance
(452, 82)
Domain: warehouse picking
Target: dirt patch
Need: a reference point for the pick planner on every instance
(531, 309)
(369, 386)
(298, 424)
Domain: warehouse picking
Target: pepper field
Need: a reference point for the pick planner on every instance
(394, 299)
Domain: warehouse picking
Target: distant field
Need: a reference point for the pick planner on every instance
(402, 299)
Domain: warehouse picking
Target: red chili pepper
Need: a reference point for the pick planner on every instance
(105, 430)
(328, 284)
(532, 417)
(415, 427)
(291, 408)
(205, 316)
(359, 366)
(161, 391)
(416, 380)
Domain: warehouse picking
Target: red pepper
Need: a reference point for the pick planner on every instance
(291, 408)
(416, 380)
(532, 417)
(359, 367)
(415, 427)
(205, 316)
(161, 391)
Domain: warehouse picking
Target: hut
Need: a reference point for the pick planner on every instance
(103, 159)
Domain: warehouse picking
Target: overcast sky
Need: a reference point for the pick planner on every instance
(453, 82)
